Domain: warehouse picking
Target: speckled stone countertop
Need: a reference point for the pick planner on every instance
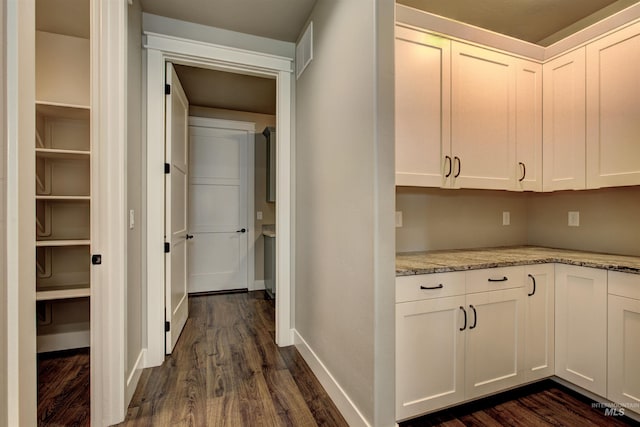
(269, 230)
(411, 263)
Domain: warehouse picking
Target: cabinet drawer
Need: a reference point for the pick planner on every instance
(492, 279)
(427, 286)
(624, 284)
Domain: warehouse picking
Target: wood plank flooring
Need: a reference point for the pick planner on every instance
(539, 405)
(227, 371)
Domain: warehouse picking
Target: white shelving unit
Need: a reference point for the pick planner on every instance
(63, 200)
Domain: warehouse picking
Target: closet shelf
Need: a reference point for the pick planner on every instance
(57, 153)
(55, 243)
(64, 198)
(63, 292)
(61, 110)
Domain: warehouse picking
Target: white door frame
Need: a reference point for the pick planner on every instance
(160, 49)
(251, 143)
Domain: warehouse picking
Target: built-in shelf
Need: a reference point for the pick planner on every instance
(63, 292)
(56, 153)
(63, 111)
(53, 243)
(63, 198)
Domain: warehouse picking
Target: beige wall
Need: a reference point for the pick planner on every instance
(260, 204)
(609, 220)
(3, 224)
(136, 173)
(448, 219)
(343, 181)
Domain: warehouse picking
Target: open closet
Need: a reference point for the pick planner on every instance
(63, 165)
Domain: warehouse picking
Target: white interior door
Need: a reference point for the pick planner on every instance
(176, 191)
(218, 197)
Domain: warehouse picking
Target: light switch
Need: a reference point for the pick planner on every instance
(398, 219)
(259, 215)
(131, 219)
(574, 219)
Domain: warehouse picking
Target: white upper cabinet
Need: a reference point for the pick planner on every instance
(528, 121)
(422, 108)
(564, 122)
(482, 118)
(613, 109)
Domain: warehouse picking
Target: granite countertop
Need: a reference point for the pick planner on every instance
(269, 230)
(411, 263)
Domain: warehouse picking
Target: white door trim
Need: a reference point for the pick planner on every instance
(249, 127)
(160, 49)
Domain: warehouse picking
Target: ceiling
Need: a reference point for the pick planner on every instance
(542, 22)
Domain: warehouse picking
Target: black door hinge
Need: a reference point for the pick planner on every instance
(167, 247)
(96, 259)
(167, 326)
(167, 168)
(167, 89)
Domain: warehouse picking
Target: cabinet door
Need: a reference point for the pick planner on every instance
(624, 351)
(528, 126)
(564, 122)
(429, 355)
(581, 327)
(495, 341)
(613, 108)
(482, 118)
(422, 108)
(539, 322)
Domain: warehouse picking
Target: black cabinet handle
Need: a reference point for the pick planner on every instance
(524, 171)
(242, 230)
(475, 317)
(457, 159)
(534, 286)
(465, 318)
(188, 236)
(440, 286)
(502, 279)
(448, 159)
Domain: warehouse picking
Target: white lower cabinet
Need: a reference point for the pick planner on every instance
(581, 327)
(539, 322)
(623, 378)
(450, 348)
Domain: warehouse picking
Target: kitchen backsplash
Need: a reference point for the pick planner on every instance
(452, 219)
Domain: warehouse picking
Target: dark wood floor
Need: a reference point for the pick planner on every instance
(63, 388)
(543, 404)
(227, 371)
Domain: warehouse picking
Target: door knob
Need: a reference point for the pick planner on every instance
(242, 230)
(189, 236)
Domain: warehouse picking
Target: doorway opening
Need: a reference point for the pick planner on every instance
(197, 56)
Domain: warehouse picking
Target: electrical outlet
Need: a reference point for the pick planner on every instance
(506, 218)
(398, 219)
(259, 215)
(131, 219)
(574, 219)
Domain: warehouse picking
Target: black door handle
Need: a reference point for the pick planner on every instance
(448, 160)
(188, 236)
(242, 230)
(457, 159)
(465, 318)
(524, 171)
(475, 317)
(534, 286)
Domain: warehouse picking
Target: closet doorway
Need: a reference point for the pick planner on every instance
(161, 50)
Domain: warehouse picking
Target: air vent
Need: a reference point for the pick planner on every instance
(304, 50)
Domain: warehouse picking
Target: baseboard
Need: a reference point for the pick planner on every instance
(134, 376)
(258, 285)
(337, 394)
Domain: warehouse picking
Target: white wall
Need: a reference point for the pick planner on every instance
(3, 224)
(344, 159)
(260, 177)
(136, 250)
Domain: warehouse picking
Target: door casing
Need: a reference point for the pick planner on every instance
(159, 50)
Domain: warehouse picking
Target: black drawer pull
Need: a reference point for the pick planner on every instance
(534, 286)
(465, 318)
(475, 317)
(440, 286)
(502, 279)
